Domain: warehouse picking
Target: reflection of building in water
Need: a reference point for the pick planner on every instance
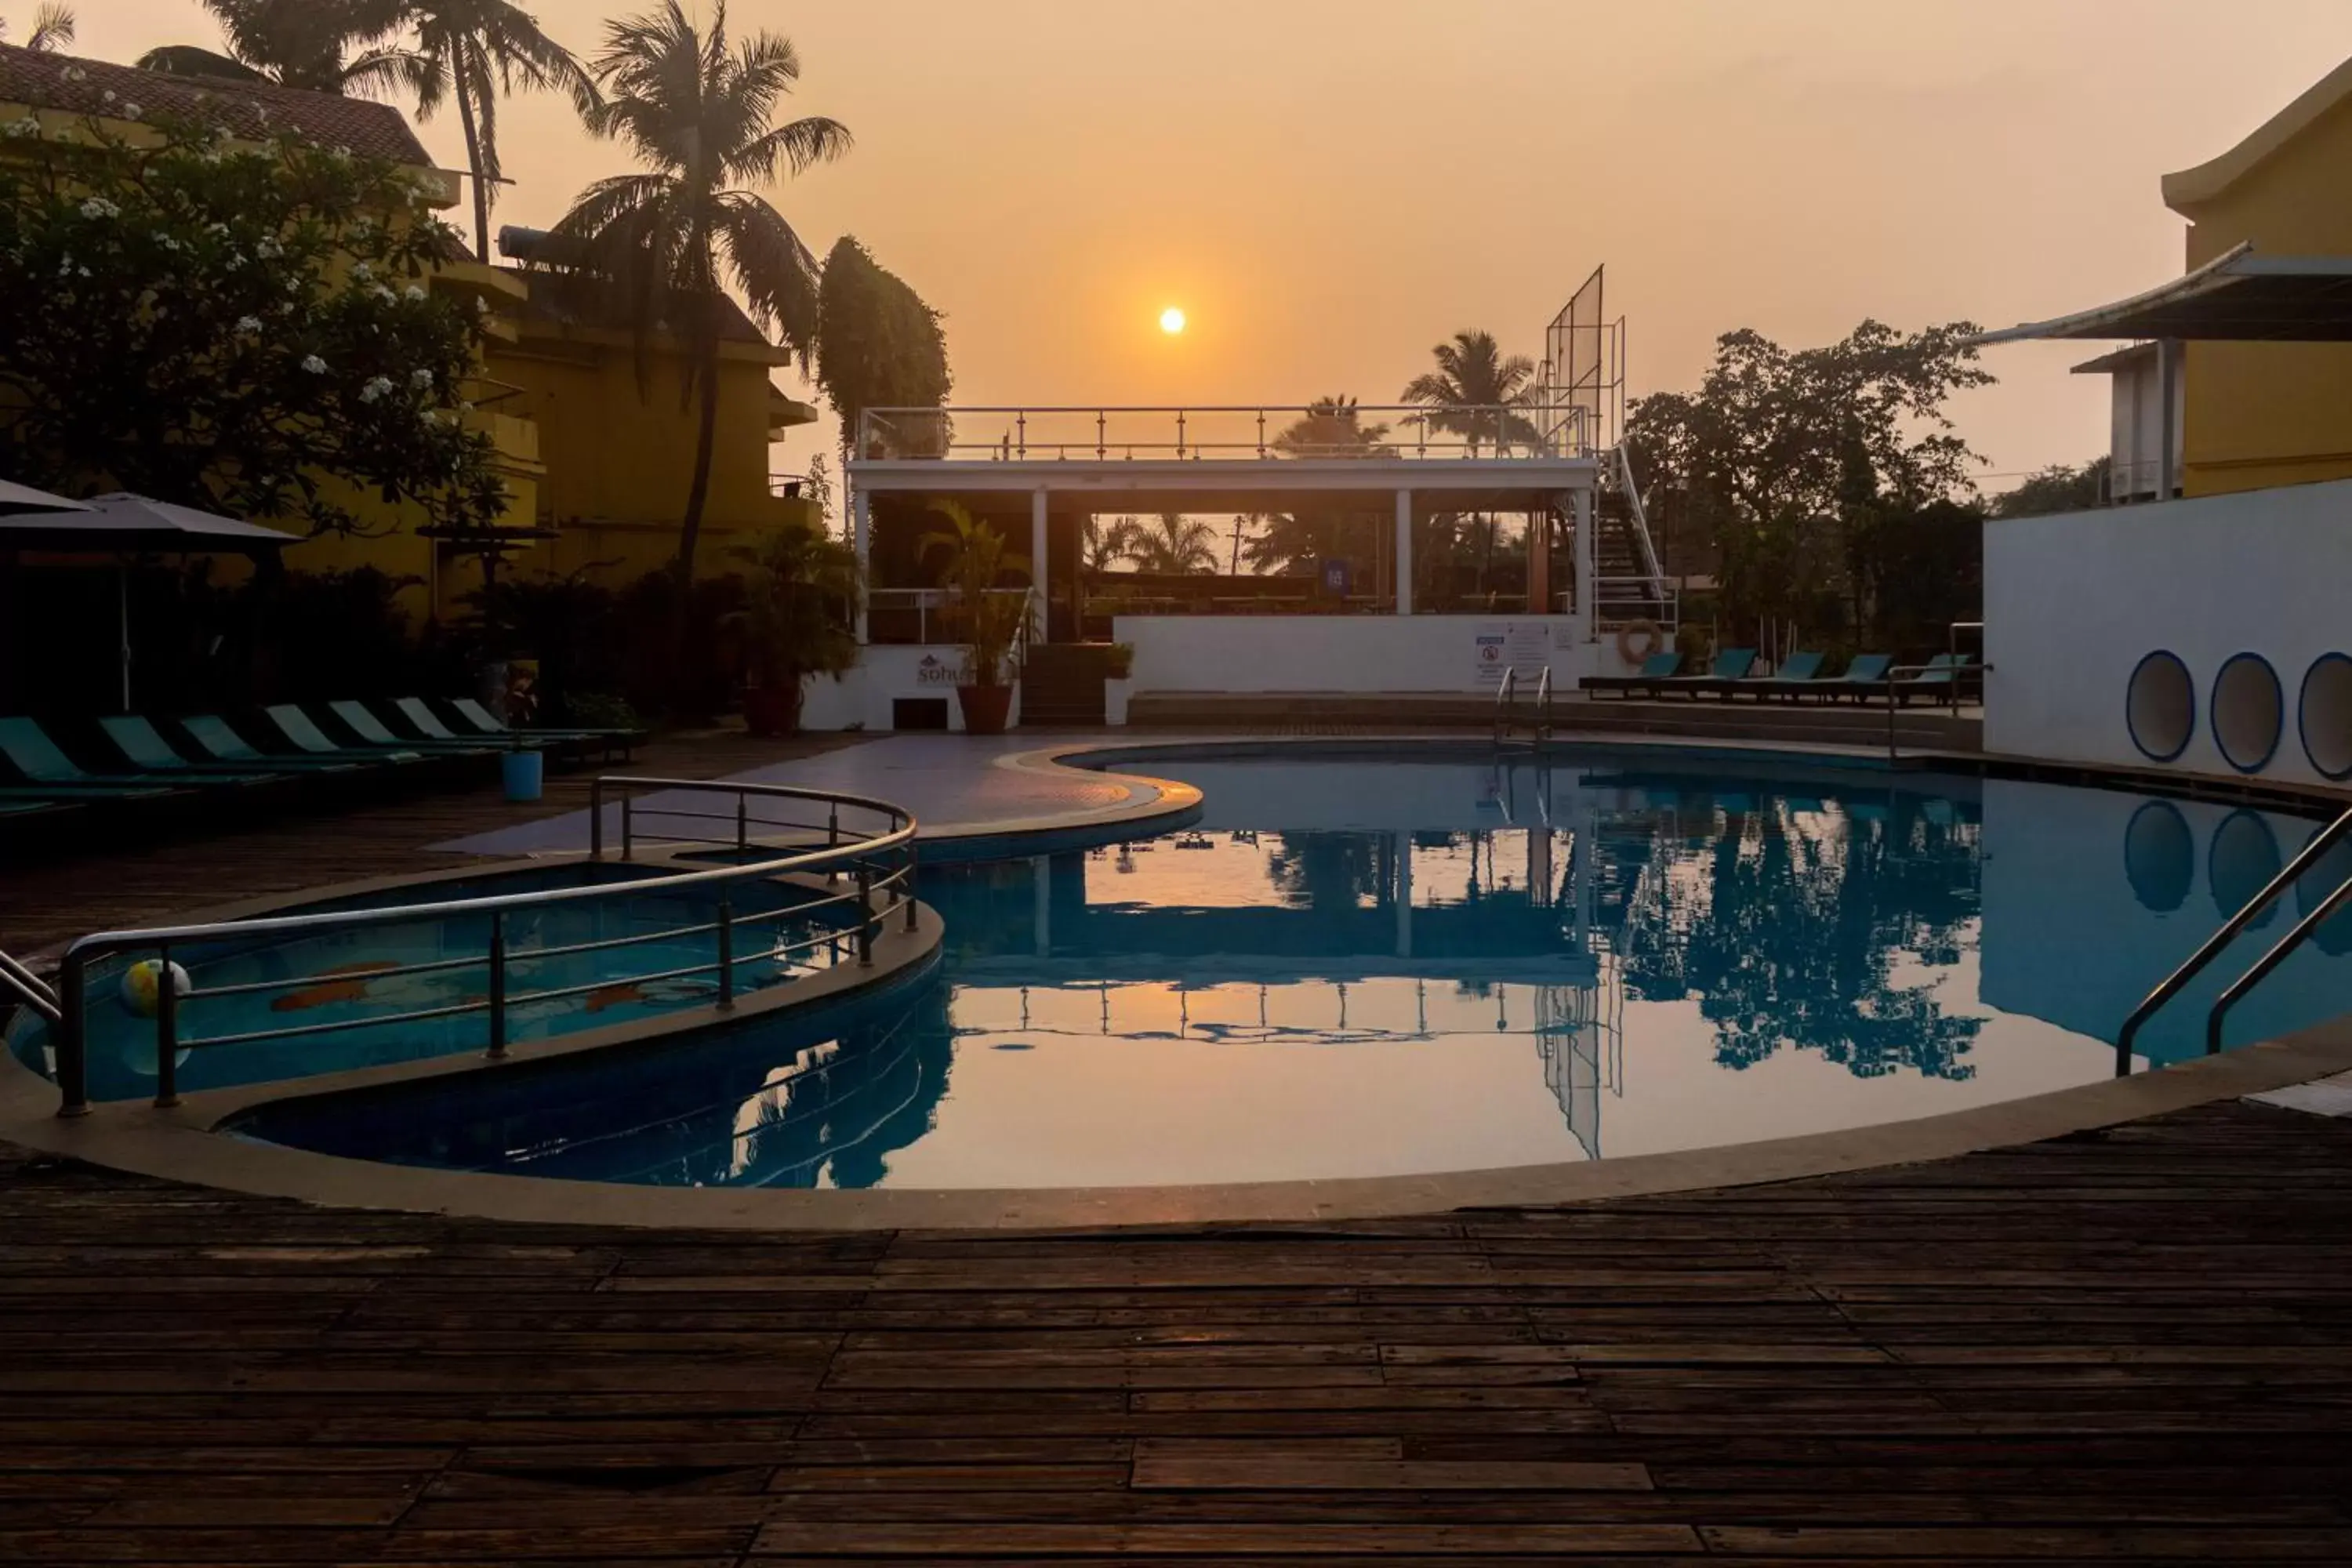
(1581, 1031)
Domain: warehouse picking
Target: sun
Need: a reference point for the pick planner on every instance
(1171, 320)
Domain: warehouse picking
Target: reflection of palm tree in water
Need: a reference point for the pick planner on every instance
(1327, 870)
(1791, 933)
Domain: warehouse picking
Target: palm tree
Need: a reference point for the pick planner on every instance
(1332, 428)
(1175, 546)
(667, 241)
(1291, 542)
(1102, 546)
(1472, 382)
(53, 28)
(474, 51)
(299, 43)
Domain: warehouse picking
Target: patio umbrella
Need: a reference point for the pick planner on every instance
(124, 525)
(16, 498)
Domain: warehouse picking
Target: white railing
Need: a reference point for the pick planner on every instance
(1537, 428)
(926, 604)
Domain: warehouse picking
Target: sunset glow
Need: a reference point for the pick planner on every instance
(1171, 320)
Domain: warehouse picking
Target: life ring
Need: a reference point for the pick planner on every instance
(1652, 638)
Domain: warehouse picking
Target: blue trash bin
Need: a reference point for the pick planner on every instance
(525, 773)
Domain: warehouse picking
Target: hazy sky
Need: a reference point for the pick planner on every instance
(1330, 186)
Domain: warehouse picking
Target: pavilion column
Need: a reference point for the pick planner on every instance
(1403, 552)
(2168, 418)
(1037, 566)
(1588, 556)
(861, 540)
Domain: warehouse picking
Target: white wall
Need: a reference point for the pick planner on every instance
(864, 697)
(2074, 602)
(1348, 654)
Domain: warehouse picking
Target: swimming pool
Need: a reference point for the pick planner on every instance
(1360, 966)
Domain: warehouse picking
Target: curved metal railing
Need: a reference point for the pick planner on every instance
(879, 861)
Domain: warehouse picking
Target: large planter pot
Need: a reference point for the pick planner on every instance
(770, 711)
(1115, 696)
(985, 707)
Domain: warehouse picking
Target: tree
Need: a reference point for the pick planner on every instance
(322, 46)
(2056, 489)
(990, 623)
(1293, 541)
(1783, 460)
(246, 331)
(1470, 393)
(53, 28)
(795, 617)
(1102, 546)
(878, 345)
(474, 50)
(1174, 546)
(664, 243)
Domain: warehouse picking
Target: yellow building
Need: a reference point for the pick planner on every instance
(2260, 414)
(596, 460)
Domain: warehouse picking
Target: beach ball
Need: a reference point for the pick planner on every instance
(139, 985)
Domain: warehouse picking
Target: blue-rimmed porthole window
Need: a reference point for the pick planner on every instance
(2160, 706)
(2323, 715)
(2248, 710)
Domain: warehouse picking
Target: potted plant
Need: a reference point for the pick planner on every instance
(990, 625)
(795, 622)
(1119, 681)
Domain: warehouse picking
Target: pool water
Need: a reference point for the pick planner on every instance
(1361, 967)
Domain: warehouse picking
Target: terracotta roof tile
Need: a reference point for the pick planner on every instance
(247, 109)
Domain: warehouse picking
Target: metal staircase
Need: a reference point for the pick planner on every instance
(1630, 583)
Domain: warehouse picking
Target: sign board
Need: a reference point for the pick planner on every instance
(1498, 646)
(1488, 660)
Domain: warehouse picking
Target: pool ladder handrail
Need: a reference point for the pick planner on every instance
(28, 989)
(2326, 839)
(841, 850)
(1506, 696)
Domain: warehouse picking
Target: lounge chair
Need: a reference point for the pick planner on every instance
(1730, 667)
(1937, 682)
(307, 737)
(372, 731)
(143, 747)
(222, 744)
(1798, 673)
(1656, 667)
(1865, 675)
(489, 723)
(427, 723)
(54, 774)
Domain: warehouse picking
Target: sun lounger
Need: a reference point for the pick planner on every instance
(306, 736)
(31, 752)
(489, 723)
(1730, 667)
(143, 747)
(427, 723)
(1864, 675)
(214, 737)
(1798, 673)
(1937, 682)
(372, 731)
(1658, 666)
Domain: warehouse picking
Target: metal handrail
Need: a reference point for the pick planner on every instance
(28, 988)
(1506, 697)
(2327, 838)
(1176, 437)
(2237, 989)
(844, 850)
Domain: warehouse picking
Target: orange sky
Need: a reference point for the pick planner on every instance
(1329, 186)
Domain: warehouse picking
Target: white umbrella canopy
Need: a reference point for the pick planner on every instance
(123, 525)
(16, 498)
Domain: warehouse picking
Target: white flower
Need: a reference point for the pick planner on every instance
(465, 408)
(75, 73)
(248, 326)
(432, 416)
(108, 95)
(314, 365)
(363, 271)
(413, 294)
(267, 248)
(377, 387)
(420, 379)
(28, 126)
(132, 111)
(481, 306)
(98, 206)
(382, 293)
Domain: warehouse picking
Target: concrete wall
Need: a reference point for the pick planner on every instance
(1260, 654)
(2073, 603)
(865, 696)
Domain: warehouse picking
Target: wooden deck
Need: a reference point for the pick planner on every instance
(2131, 1345)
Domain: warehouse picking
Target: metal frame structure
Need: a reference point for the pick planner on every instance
(881, 861)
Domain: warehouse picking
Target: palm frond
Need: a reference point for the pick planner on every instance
(53, 28)
(796, 146)
(774, 270)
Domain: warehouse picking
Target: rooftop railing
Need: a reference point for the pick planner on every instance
(1232, 432)
(863, 848)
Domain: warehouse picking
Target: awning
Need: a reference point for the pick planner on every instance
(2240, 298)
